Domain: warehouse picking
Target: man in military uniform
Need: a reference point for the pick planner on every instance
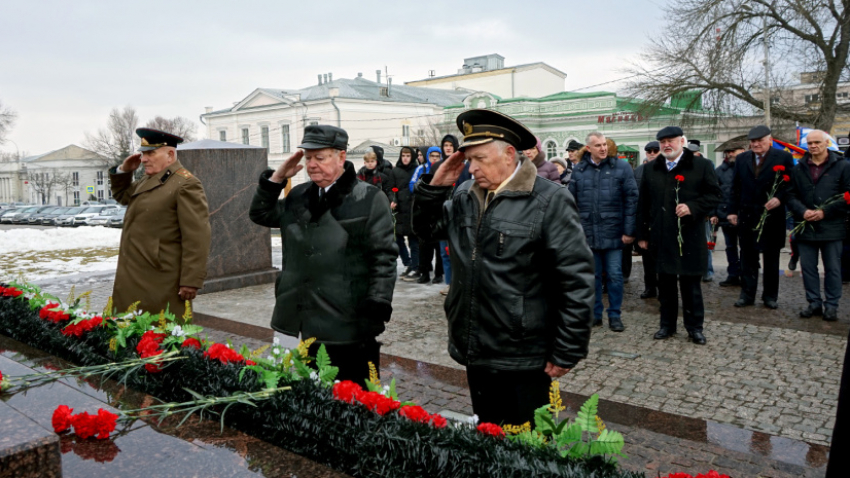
(519, 306)
(166, 239)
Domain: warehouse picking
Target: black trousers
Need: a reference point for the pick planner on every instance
(427, 252)
(507, 396)
(750, 271)
(352, 359)
(693, 310)
(650, 277)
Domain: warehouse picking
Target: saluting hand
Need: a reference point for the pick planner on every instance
(131, 163)
(288, 168)
(450, 170)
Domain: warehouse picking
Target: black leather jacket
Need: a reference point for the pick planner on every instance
(522, 273)
(339, 258)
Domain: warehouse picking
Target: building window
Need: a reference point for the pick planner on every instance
(842, 96)
(264, 135)
(551, 149)
(405, 131)
(100, 178)
(76, 198)
(100, 194)
(245, 136)
(314, 123)
(75, 178)
(222, 135)
(813, 98)
(284, 137)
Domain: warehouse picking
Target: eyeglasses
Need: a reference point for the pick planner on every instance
(653, 150)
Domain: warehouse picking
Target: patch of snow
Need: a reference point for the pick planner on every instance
(54, 239)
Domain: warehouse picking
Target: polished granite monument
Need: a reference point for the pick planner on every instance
(240, 253)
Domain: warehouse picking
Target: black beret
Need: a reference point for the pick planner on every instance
(652, 145)
(758, 132)
(324, 136)
(574, 145)
(481, 126)
(669, 132)
(154, 138)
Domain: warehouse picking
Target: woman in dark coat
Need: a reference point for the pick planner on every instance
(401, 202)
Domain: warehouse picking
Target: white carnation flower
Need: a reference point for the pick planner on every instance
(178, 331)
(276, 341)
(276, 350)
(473, 419)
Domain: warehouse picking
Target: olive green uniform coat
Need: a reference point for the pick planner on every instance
(166, 239)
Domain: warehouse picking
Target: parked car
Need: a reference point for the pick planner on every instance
(67, 219)
(6, 215)
(47, 219)
(24, 218)
(118, 219)
(35, 218)
(82, 218)
(104, 216)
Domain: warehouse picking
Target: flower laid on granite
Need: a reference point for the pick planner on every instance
(679, 180)
(10, 292)
(710, 474)
(778, 179)
(77, 330)
(191, 342)
(84, 425)
(350, 392)
(491, 429)
(224, 354)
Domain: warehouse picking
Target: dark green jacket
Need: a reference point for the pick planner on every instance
(339, 258)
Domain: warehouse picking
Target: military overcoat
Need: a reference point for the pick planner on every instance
(166, 239)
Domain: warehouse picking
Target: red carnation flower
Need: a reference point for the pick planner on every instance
(105, 423)
(491, 429)
(11, 292)
(415, 413)
(191, 342)
(847, 197)
(85, 425)
(395, 190)
(62, 418)
(778, 168)
(378, 403)
(85, 326)
(679, 178)
(786, 178)
(154, 367)
(250, 362)
(347, 391)
(438, 421)
(223, 353)
(45, 311)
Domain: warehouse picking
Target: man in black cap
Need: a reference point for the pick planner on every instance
(694, 145)
(572, 151)
(725, 177)
(676, 194)
(650, 277)
(339, 252)
(165, 243)
(519, 306)
(756, 171)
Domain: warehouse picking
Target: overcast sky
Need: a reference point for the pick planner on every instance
(65, 64)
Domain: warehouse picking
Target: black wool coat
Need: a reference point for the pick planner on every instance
(750, 193)
(339, 258)
(657, 221)
(401, 195)
(804, 194)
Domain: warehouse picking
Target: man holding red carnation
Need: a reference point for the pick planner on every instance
(676, 194)
(818, 185)
(756, 173)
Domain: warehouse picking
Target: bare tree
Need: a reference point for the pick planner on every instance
(178, 125)
(118, 139)
(714, 48)
(10, 157)
(430, 133)
(44, 182)
(7, 120)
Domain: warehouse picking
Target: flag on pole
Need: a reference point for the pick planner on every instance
(796, 152)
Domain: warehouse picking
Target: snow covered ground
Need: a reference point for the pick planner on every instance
(46, 253)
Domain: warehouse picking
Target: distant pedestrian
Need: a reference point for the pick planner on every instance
(573, 148)
(545, 169)
(755, 175)
(821, 175)
(384, 166)
(650, 277)
(676, 195)
(725, 178)
(606, 196)
(564, 169)
(401, 198)
(370, 173)
(428, 250)
(448, 145)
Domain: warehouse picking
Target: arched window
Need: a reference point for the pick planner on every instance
(551, 149)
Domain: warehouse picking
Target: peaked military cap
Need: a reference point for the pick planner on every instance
(652, 145)
(323, 136)
(154, 138)
(574, 145)
(484, 126)
(669, 132)
(758, 132)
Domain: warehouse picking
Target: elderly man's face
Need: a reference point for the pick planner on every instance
(761, 145)
(817, 143)
(652, 153)
(489, 165)
(324, 165)
(671, 148)
(598, 148)
(156, 160)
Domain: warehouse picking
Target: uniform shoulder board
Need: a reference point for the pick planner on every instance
(183, 172)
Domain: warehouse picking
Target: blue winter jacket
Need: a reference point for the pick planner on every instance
(424, 168)
(606, 197)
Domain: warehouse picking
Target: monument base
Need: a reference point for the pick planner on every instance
(237, 281)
